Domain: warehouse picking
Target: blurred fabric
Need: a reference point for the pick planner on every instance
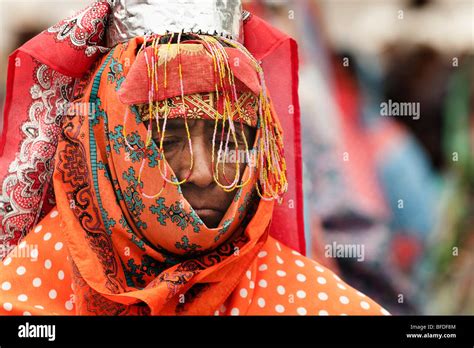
(400, 188)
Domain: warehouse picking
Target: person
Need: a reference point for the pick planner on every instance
(167, 172)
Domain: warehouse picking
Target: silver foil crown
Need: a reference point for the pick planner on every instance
(132, 18)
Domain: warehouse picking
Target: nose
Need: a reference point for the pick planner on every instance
(201, 173)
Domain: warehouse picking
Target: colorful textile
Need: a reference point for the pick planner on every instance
(278, 281)
(40, 83)
(206, 106)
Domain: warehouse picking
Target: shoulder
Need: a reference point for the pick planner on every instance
(35, 277)
(303, 284)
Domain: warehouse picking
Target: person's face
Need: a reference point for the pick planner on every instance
(201, 191)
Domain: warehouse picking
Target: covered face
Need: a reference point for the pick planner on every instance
(207, 144)
(204, 140)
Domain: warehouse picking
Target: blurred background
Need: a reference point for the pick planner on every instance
(387, 101)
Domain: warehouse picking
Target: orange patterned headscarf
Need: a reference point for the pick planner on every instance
(131, 234)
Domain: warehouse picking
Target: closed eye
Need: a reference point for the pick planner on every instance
(169, 142)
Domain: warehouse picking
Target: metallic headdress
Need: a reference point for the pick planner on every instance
(131, 18)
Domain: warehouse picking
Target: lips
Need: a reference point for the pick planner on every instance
(207, 212)
(204, 207)
(210, 216)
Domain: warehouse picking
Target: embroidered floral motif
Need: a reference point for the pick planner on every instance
(204, 106)
(30, 173)
(224, 229)
(148, 267)
(167, 53)
(115, 74)
(176, 214)
(186, 246)
(138, 145)
(85, 30)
